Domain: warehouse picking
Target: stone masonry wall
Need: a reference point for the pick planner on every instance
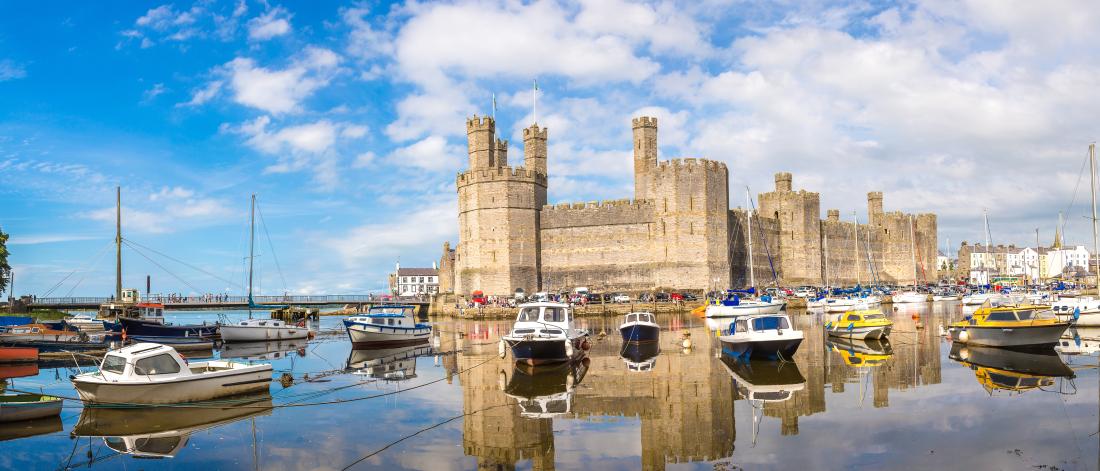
(605, 246)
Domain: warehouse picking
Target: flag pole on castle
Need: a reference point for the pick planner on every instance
(494, 107)
(534, 100)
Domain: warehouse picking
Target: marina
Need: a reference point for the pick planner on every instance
(463, 406)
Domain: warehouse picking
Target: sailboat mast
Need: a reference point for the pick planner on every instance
(913, 248)
(826, 247)
(251, 249)
(855, 246)
(118, 243)
(752, 271)
(1092, 174)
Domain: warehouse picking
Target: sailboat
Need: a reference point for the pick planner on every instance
(732, 304)
(912, 296)
(253, 330)
(1083, 310)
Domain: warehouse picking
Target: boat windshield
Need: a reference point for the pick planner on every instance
(528, 314)
(554, 314)
(1002, 316)
(769, 323)
(114, 364)
(157, 365)
(399, 310)
(1024, 314)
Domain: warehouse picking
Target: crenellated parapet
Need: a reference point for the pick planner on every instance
(501, 174)
(596, 213)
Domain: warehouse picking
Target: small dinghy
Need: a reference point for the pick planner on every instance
(148, 373)
(640, 327)
(387, 325)
(259, 330)
(18, 407)
(761, 337)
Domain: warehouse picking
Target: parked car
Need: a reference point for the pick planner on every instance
(676, 297)
(805, 292)
(689, 297)
(620, 298)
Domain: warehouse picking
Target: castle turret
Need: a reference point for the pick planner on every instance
(874, 208)
(834, 215)
(481, 142)
(783, 181)
(502, 153)
(645, 154)
(534, 149)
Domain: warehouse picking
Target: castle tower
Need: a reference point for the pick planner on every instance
(874, 208)
(783, 181)
(481, 142)
(498, 220)
(798, 219)
(534, 149)
(645, 154)
(691, 223)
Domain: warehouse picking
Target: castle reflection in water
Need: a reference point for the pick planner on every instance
(684, 397)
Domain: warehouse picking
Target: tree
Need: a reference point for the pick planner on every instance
(5, 269)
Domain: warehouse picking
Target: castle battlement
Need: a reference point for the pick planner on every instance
(534, 132)
(644, 122)
(596, 205)
(690, 163)
(479, 123)
(502, 174)
(597, 213)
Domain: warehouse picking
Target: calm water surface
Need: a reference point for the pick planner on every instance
(911, 403)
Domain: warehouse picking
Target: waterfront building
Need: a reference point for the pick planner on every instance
(984, 264)
(677, 232)
(414, 281)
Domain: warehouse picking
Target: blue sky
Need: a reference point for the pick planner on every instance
(347, 120)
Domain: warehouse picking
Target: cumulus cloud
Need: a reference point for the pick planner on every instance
(169, 209)
(430, 153)
(203, 94)
(281, 90)
(274, 23)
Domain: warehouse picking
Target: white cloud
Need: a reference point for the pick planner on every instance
(275, 22)
(150, 94)
(353, 131)
(175, 209)
(176, 192)
(425, 225)
(366, 159)
(202, 95)
(312, 138)
(430, 153)
(281, 91)
(10, 71)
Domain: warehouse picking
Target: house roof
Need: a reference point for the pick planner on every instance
(417, 272)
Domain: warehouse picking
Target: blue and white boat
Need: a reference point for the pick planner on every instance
(761, 337)
(392, 324)
(733, 305)
(544, 333)
(640, 327)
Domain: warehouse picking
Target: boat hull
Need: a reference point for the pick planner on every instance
(36, 409)
(1085, 319)
(640, 332)
(362, 334)
(247, 333)
(18, 354)
(862, 333)
(774, 349)
(153, 329)
(208, 386)
(546, 351)
(1032, 336)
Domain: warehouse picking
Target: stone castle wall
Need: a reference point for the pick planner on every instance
(678, 233)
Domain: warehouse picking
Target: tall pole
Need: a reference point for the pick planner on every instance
(251, 250)
(913, 249)
(826, 247)
(855, 246)
(118, 244)
(1092, 174)
(752, 271)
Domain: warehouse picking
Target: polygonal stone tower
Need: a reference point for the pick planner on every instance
(498, 217)
(645, 154)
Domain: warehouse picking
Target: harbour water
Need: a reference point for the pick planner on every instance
(911, 403)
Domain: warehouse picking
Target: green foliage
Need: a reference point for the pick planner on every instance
(5, 269)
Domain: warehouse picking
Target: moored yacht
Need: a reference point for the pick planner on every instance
(387, 324)
(544, 332)
(910, 297)
(733, 306)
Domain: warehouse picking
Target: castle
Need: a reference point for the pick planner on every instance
(678, 232)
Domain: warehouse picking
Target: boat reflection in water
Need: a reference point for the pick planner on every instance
(1080, 341)
(161, 432)
(29, 428)
(1015, 371)
(544, 392)
(762, 382)
(273, 350)
(862, 353)
(388, 364)
(640, 356)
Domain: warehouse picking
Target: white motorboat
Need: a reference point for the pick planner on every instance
(840, 304)
(390, 324)
(946, 297)
(734, 306)
(908, 297)
(762, 337)
(259, 330)
(977, 299)
(1082, 311)
(543, 333)
(85, 323)
(147, 373)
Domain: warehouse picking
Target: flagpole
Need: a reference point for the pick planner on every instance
(535, 101)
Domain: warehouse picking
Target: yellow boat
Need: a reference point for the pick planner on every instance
(999, 324)
(1015, 371)
(860, 324)
(862, 353)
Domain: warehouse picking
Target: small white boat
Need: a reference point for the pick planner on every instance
(148, 373)
(85, 323)
(392, 324)
(977, 299)
(640, 327)
(762, 337)
(946, 297)
(908, 297)
(259, 330)
(19, 407)
(544, 333)
(840, 304)
(1082, 311)
(734, 306)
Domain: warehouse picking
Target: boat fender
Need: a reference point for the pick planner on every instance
(964, 354)
(502, 350)
(585, 346)
(964, 336)
(686, 343)
(569, 348)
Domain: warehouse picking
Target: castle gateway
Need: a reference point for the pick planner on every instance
(677, 233)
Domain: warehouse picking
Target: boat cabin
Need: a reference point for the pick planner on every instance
(140, 361)
(543, 319)
(391, 315)
(1010, 315)
(640, 317)
(871, 316)
(750, 324)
